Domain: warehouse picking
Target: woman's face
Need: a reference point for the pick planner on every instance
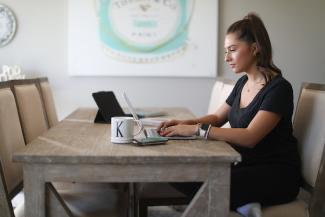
(238, 54)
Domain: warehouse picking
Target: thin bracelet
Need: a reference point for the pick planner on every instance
(207, 132)
(198, 129)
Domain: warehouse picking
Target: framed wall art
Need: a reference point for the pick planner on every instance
(142, 38)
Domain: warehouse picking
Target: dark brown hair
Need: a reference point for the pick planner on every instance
(251, 29)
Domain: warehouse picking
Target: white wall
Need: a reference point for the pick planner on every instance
(40, 47)
(296, 29)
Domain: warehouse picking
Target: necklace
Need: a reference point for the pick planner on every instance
(260, 84)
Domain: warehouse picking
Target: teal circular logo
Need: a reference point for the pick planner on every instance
(144, 30)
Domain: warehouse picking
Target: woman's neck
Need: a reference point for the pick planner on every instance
(255, 76)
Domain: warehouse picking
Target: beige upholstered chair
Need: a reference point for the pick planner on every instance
(67, 199)
(309, 129)
(5, 205)
(48, 100)
(11, 139)
(219, 94)
(215, 99)
(317, 203)
(30, 107)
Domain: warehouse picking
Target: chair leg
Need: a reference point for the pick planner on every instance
(131, 200)
(143, 210)
(135, 208)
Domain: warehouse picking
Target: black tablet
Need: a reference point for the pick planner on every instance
(108, 106)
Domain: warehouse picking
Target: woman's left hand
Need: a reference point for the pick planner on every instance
(179, 130)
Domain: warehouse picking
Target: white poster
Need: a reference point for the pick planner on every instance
(142, 38)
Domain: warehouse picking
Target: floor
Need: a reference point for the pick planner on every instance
(163, 211)
(157, 211)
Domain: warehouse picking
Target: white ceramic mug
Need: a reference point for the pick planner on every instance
(122, 129)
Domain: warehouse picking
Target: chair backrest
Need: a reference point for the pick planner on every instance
(220, 92)
(5, 204)
(215, 100)
(11, 139)
(30, 107)
(317, 204)
(309, 129)
(48, 100)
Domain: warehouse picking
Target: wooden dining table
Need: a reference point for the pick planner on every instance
(78, 150)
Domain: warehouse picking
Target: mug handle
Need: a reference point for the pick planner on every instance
(140, 125)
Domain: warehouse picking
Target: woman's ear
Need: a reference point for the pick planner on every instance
(254, 48)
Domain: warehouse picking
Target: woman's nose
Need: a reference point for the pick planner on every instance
(227, 57)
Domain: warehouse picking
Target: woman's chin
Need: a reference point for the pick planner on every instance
(237, 71)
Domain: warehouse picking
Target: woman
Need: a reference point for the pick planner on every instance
(259, 110)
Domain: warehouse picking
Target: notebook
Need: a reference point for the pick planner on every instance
(151, 132)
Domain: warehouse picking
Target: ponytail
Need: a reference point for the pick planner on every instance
(251, 29)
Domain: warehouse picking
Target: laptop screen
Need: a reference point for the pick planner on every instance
(130, 107)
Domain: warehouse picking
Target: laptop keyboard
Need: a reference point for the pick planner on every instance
(152, 132)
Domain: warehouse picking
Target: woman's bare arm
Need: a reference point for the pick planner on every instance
(219, 118)
(260, 126)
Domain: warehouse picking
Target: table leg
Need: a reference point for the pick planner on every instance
(198, 205)
(34, 188)
(219, 191)
(212, 199)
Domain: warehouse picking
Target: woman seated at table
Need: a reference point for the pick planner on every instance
(259, 110)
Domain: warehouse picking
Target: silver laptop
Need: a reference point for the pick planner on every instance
(151, 132)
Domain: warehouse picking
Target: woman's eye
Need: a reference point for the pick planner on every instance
(230, 50)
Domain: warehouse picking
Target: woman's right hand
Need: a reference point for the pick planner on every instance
(166, 124)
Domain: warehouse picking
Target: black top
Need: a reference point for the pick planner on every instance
(279, 146)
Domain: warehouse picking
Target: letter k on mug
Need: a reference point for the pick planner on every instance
(122, 129)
